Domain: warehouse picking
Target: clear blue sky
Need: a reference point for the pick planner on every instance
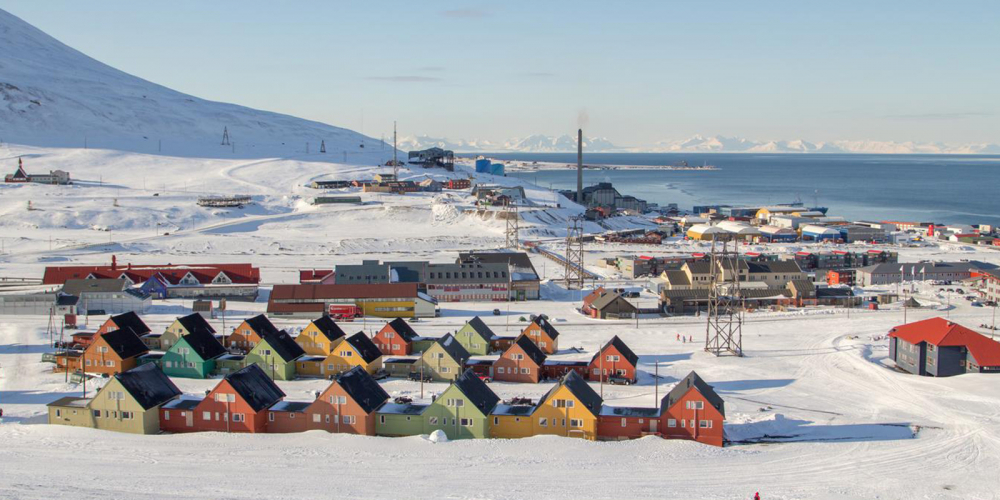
(637, 72)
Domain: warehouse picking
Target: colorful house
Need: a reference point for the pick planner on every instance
(522, 362)
(320, 337)
(239, 403)
(276, 354)
(129, 402)
(183, 326)
(620, 422)
(126, 321)
(396, 338)
(939, 348)
(249, 333)
(476, 337)
(614, 363)
(113, 352)
(193, 356)
(444, 360)
(395, 420)
(462, 410)
(512, 421)
(692, 410)
(348, 405)
(356, 350)
(543, 334)
(569, 409)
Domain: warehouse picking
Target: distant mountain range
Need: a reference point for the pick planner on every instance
(696, 144)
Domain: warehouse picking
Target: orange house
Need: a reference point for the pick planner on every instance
(522, 362)
(396, 338)
(692, 410)
(239, 403)
(109, 353)
(126, 321)
(543, 334)
(250, 332)
(615, 361)
(348, 405)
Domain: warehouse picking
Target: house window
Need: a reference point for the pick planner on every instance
(97, 413)
(316, 417)
(445, 369)
(695, 405)
(705, 424)
(338, 400)
(543, 422)
(58, 412)
(206, 415)
(525, 371)
(496, 420)
(348, 419)
(166, 415)
(575, 423)
(596, 371)
(683, 422)
(127, 415)
(613, 359)
(432, 420)
(346, 354)
(623, 423)
(239, 417)
(466, 422)
(500, 370)
(381, 419)
(291, 415)
(395, 347)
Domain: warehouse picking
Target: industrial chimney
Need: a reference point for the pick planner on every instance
(579, 166)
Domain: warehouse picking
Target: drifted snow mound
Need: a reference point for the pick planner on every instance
(53, 95)
(445, 213)
(438, 436)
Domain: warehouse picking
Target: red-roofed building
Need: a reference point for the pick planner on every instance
(937, 347)
(233, 281)
(316, 276)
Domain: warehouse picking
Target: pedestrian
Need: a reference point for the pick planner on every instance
(684, 339)
(678, 337)
(756, 496)
(691, 338)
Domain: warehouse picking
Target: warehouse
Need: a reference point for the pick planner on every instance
(384, 301)
(739, 230)
(704, 232)
(885, 274)
(819, 233)
(775, 234)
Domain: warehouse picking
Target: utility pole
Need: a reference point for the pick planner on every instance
(656, 383)
(395, 161)
(322, 146)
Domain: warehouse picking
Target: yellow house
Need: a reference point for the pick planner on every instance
(183, 326)
(511, 421)
(356, 350)
(569, 409)
(321, 337)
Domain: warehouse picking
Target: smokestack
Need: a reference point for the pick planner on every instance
(579, 166)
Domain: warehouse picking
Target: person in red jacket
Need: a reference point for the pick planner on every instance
(756, 496)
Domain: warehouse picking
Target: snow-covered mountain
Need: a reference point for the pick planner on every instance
(529, 144)
(53, 95)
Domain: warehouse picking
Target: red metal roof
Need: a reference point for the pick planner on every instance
(172, 273)
(323, 292)
(306, 275)
(944, 333)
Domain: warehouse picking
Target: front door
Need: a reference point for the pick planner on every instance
(189, 419)
(652, 425)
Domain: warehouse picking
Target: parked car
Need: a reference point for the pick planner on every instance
(415, 376)
(486, 378)
(496, 312)
(977, 304)
(619, 380)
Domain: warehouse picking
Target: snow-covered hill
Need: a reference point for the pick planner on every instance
(53, 95)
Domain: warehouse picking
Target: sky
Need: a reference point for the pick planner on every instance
(633, 72)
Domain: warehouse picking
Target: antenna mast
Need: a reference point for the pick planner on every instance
(574, 253)
(510, 214)
(395, 162)
(724, 331)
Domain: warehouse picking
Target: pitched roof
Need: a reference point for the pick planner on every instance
(453, 348)
(78, 286)
(547, 327)
(599, 291)
(621, 347)
(195, 321)
(530, 349)
(607, 299)
(125, 343)
(478, 393)
(944, 333)
(693, 380)
(403, 329)
(170, 273)
(328, 327)
(205, 344)
(284, 345)
(365, 347)
(362, 388)
(480, 327)
(581, 389)
(130, 321)
(254, 386)
(148, 385)
(261, 325)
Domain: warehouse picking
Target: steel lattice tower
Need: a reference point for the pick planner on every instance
(574, 253)
(510, 214)
(724, 331)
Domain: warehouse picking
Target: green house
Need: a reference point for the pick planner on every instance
(475, 337)
(276, 355)
(192, 356)
(462, 410)
(396, 420)
(443, 361)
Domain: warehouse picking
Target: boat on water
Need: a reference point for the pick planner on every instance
(683, 165)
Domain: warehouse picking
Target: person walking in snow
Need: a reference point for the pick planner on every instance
(678, 336)
(756, 496)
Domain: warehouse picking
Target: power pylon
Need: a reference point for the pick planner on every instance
(510, 214)
(574, 253)
(724, 331)
(322, 146)
(225, 136)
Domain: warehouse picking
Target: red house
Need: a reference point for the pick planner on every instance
(693, 410)
(238, 403)
(458, 184)
(348, 405)
(614, 363)
(396, 338)
(522, 362)
(126, 321)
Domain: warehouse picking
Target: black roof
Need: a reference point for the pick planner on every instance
(479, 394)
(261, 325)
(125, 343)
(254, 386)
(131, 321)
(328, 327)
(531, 349)
(453, 348)
(362, 388)
(403, 329)
(581, 389)
(545, 325)
(480, 327)
(622, 348)
(148, 385)
(63, 299)
(284, 345)
(365, 347)
(195, 321)
(692, 379)
(205, 344)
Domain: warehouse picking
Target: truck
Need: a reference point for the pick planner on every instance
(344, 312)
